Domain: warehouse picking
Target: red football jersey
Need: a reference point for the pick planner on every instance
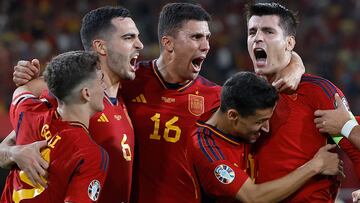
(221, 162)
(77, 165)
(163, 119)
(112, 129)
(294, 139)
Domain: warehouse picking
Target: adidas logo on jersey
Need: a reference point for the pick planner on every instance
(103, 118)
(140, 99)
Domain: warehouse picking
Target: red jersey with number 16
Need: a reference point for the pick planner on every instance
(163, 118)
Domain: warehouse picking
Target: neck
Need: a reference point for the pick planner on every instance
(218, 120)
(282, 65)
(166, 66)
(111, 79)
(75, 112)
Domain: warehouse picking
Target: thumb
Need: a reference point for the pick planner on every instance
(41, 144)
(329, 147)
(340, 104)
(36, 63)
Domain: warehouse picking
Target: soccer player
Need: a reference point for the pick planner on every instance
(165, 100)
(77, 165)
(178, 97)
(293, 138)
(113, 35)
(219, 147)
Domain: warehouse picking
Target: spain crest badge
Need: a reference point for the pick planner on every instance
(196, 104)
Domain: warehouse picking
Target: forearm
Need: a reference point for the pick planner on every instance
(35, 86)
(354, 136)
(279, 189)
(297, 62)
(352, 152)
(5, 151)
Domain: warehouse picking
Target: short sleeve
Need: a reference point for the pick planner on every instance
(218, 177)
(89, 176)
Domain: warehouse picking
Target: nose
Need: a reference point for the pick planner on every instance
(138, 44)
(205, 45)
(258, 37)
(265, 127)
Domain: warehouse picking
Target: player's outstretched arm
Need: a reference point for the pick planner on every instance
(332, 121)
(324, 162)
(288, 79)
(338, 121)
(35, 87)
(27, 158)
(25, 71)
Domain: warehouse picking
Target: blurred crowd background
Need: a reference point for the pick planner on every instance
(327, 39)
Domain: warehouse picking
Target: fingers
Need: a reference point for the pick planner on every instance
(341, 170)
(328, 147)
(318, 120)
(319, 113)
(25, 71)
(41, 163)
(278, 84)
(35, 175)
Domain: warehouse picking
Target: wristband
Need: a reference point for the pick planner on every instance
(347, 128)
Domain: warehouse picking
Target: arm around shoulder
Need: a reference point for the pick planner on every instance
(324, 162)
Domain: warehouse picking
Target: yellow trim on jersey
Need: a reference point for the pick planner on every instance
(140, 99)
(219, 134)
(163, 82)
(103, 118)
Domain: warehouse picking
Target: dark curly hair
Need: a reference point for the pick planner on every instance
(66, 71)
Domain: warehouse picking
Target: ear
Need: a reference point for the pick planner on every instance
(99, 46)
(232, 114)
(85, 94)
(167, 43)
(290, 43)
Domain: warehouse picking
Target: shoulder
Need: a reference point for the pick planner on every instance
(316, 85)
(207, 83)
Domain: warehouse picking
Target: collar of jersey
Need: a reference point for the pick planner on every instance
(217, 132)
(107, 98)
(73, 123)
(166, 84)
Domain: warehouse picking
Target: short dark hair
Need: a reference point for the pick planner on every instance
(246, 93)
(97, 23)
(174, 15)
(66, 71)
(288, 18)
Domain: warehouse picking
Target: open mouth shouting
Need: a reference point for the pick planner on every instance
(197, 62)
(133, 62)
(260, 56)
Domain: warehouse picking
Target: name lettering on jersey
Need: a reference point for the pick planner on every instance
(103, 118)
(52, 139)
(140, 99)
(196, 104)
(168, 100)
